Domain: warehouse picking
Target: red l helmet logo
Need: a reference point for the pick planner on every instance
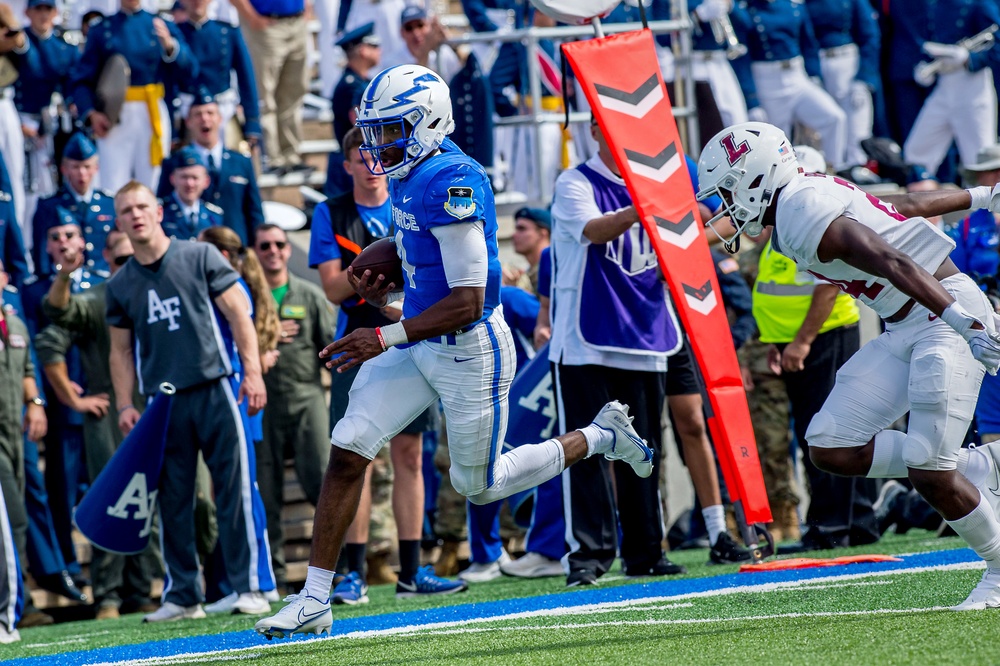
(734, 151)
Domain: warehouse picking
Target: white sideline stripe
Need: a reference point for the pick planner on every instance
(577, 610)
(700, 620)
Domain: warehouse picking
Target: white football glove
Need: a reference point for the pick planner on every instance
(952, 56)
(757, 114)
(711, 10)
(984, 343)
(995, 205)
(986, 349)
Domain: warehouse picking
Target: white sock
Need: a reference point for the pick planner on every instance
(522, 468)
(715, 521)
(887, 456)
(981, 531)
(974, 464)
(599, 440)
(318, 583)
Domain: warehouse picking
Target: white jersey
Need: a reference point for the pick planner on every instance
(811, 202)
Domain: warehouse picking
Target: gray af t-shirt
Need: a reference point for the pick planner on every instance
(171, 314)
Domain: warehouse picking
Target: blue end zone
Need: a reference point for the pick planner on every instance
(665, 588)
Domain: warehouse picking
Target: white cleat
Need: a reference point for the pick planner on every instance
(8, 635)
(223, 605)
(170, 612)
(627, 445)
(533, 565)
(990, 488)
(303, 615)
(985, 595)
(482, 573)
(251, 603)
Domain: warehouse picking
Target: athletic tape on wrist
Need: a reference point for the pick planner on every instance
(981, 196)
(959, 318)
(394, 334)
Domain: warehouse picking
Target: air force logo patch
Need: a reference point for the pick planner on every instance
(460, 203)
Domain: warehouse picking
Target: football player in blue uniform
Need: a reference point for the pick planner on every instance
(451, 345)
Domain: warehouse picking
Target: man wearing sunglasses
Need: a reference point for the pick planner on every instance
(79, 318)
(92, 209)
(296, 420)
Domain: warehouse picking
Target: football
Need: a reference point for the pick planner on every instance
(380, 258)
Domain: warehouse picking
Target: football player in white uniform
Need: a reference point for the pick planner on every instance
(940, 330)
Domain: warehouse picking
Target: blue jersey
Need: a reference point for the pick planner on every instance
(448, 188)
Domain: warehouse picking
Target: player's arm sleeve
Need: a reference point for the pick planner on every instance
(463, 253)
(219, 274)
(115, 312)
(322, 241)
(573, 206)
(806, 214)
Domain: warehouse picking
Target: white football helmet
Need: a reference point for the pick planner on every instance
(744, 165)
(406, 107)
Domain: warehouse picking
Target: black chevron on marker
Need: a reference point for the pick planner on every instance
(632, 98)
(701, 294)
(676, 227)
(652, 161)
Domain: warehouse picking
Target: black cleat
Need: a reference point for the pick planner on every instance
(663, 567)
(581, 577)
(727, 551)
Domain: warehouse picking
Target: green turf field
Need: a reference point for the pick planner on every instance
(840, 615)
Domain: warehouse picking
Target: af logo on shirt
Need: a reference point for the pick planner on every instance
(460, 203)
(168, 309)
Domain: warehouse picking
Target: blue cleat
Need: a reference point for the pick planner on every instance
(351, 590)
(426, 583)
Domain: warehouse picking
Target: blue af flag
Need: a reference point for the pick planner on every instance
(532, 415)
(116, 514)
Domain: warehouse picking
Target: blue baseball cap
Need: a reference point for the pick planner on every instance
(412, 13)
(364, 34)
(79, 148)
(41, 3)
(60, 219)
(202, 96)
(188, 157)
(539, 216)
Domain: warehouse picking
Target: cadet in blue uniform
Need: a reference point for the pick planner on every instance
(91, 209)
(43, 69)
(452, 343)
(134, 148)
(733, 90)
(185, 214)
(963, 105)
(11, 243)
(849, 43)
(976, 236)
(11, 138)
(784, 55)
(364, 52)
(221, 52)
(233, 186)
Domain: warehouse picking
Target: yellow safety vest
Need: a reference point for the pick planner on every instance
(781, 299)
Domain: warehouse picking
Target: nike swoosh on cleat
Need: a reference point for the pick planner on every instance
(996, 477)
(303, 617)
